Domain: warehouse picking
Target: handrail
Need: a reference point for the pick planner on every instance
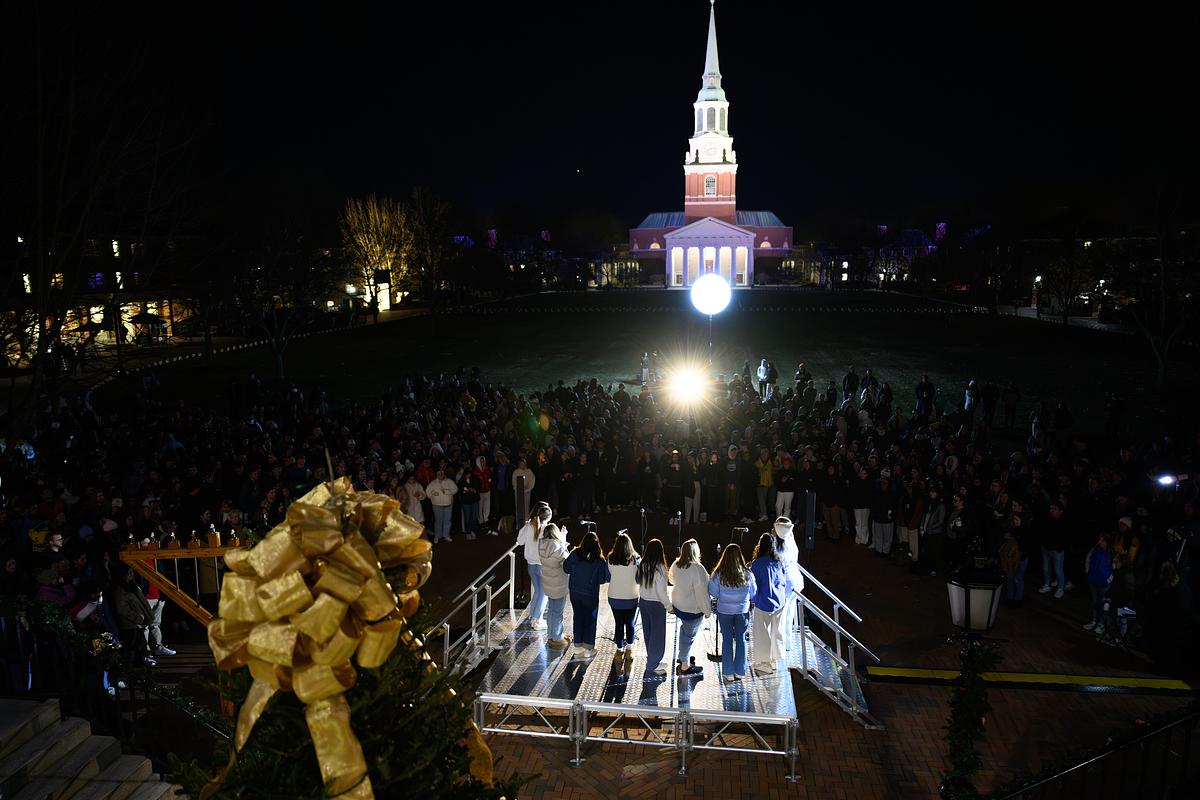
(475, 583)
(1108, 751)
(809, 577)
(811, 606)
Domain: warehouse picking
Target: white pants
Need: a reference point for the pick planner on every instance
(862, 525)
(767, 637)
(691, 508)
(485, 506)
(154, 629)
(783, 504)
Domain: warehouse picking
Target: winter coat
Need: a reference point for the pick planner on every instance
(657, 591)
(934, 523)
(552, 552)
(733, 599)
(773, 587)
(441, 493)
(527, 537)
(624, 585)
(1099, 567)
(691, 589)
(585, 576)
(131, 607)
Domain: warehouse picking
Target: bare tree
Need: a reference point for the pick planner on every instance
(1067, 276)
(373, 237)
(428, 226)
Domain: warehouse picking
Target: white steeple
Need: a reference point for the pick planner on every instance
(710, 84)
(710, 142)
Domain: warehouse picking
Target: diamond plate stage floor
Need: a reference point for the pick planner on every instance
(526, 666)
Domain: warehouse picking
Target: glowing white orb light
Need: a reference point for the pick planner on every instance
(711, 294)
(687, 386)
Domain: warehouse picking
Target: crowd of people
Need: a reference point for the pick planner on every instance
(927, 478)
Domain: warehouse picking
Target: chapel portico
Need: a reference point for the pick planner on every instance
(710, 245)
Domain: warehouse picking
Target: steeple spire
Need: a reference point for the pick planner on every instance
(710, 86)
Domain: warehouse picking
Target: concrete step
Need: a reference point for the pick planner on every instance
(65, 777)
(118, 780)
(21, 719)
(156, 790)
(45, 748)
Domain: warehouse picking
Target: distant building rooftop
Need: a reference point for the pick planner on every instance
(749, 219)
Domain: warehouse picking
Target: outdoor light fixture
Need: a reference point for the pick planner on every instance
(1037, 279)
(686, 387)
(711, 294)
(1170, 479)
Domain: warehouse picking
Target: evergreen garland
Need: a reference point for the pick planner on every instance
(408, 718)
(968, 707)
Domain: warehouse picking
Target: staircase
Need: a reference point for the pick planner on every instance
(46, 757)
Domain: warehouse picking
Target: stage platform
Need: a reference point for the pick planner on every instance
(525, 665)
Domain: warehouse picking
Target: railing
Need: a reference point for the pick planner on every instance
(476, 640)
(1160, 763)
(662, 727)
(842, 654)
(145, 563)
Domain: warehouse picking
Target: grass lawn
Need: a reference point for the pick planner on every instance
(530, 342)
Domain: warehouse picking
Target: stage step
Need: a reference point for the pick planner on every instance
(119, 780)
(21, 719)
(68, 775)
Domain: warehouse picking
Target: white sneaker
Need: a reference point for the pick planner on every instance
(493, 533)
(1089, 626)
(580, 649)
(447, 539)
(1058, 593)
(121, 685)
(620, 651)
(1099, 630)
(470, 537)
(112, 691)
(1045, 588)
(163, 650)
(1070, 586)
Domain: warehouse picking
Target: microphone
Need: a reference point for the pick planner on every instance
(742, 530)
(623, 530)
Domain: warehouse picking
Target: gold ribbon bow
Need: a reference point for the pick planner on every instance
(309, 597)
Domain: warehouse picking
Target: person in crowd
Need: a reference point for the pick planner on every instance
(789, 555)
(850, 384)
(690, 603)
(552, 552)
(832, 489)
(133, 615)
(785, 485)
(469, 489)
(1098, 566)
(483, 474)
(862, 490)
(587, 570)
(764, 467)
(773, 590)
(441, 491)
(523, 472)
(528, 539)
(732, 585)
(623, 593)
(1014, 559)
(933, 533)
(1054, 552)
(414, 496)
(653, 602)
(883, 514)
(691, 479)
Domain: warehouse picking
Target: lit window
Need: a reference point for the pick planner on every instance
(57, 281)
(722, 119)
(710, 186)
(118, 277)
(655, 246)
(699, 120)
(28, 283)
(765, 243)
(116, 248)
(95, 280)
(712, 119)
(20, 240)
(845, 275)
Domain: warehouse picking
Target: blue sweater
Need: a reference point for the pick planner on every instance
(585, 576)
(732, 599)
(773, 586)
(1099, 567)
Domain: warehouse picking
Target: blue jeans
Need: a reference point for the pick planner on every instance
(624, 633)
(1098, 593)
(733, 644)
(470, 512)
(537, 595)
(1016, 581)
(584, 609)
(1053, 559)
(687, 635)
(441, 522)
(554, 617)
(654, 628)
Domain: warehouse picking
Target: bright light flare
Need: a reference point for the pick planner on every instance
(687, 386)
(711, 294)
(1166, 480)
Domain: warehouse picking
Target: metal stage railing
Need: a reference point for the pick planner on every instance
(680, 729)
(475, 642)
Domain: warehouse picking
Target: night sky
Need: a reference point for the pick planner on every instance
(530, 114)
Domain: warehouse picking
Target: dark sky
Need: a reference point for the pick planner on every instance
(528, 113)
